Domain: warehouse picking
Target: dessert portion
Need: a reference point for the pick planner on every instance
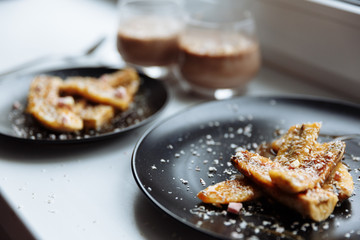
(211, 59)
(304, 175)
(81, 102)
(149, 40)
(242, 190)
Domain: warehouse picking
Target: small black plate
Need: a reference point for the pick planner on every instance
(182, 155)
(151, 98)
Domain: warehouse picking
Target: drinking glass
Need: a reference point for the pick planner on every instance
(218, 51)
(148, 32)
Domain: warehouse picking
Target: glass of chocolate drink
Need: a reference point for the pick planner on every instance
(218, 51)
(148, 32)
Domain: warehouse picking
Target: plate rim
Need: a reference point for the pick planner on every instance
(210, 233)
(94, 138)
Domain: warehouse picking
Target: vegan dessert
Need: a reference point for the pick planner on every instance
(149, 40)
(304, 174)
(81, 102)
(214, 60)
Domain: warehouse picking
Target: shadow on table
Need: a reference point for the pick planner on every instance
(155, 224)
(32, 152)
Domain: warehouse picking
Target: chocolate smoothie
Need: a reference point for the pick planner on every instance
(213, 60)
(149, 41)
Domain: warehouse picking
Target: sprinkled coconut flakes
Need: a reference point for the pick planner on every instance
(229, 222)
(355, 158)
(185, 182)
(212, 169)
(236, 235)
(243, 225)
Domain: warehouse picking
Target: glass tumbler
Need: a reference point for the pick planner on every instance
(218, 51)
(148, 32)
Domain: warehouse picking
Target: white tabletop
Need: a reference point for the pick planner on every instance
(87, 191)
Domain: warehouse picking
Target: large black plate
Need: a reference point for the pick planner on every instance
(171, 158)
(148, 102)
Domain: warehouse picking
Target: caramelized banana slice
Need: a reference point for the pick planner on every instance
(310, 172)
(341, 183)
(297, 143)
(236, 190)
(48, 108)
(293, 153)
(108, 92)
(94, 116)
(297, 177)
(316, 203)
(123, 77)
(255, 167)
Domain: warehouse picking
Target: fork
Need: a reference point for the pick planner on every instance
(39, 60)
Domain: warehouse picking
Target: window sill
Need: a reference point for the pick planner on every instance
(317, 39)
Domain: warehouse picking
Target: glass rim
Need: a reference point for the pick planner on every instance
(244, 21)
(122, 2)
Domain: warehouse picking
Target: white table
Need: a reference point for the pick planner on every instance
(87, 191)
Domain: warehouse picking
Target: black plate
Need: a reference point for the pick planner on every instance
(171, 158)
(148, 102)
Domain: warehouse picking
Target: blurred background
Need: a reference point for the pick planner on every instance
(317, 40)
